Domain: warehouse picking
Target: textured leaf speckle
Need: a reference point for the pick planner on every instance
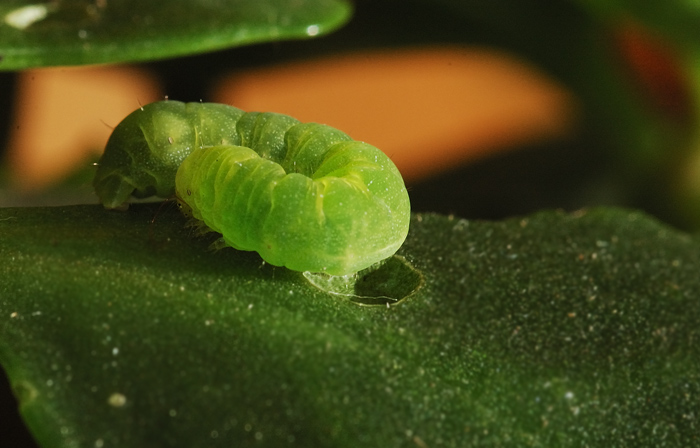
(547, 330)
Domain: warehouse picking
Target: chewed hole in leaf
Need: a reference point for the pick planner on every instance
(386, 283)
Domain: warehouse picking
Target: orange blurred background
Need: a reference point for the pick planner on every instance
(429, 109)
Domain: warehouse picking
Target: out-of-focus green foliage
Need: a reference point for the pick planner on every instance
(71, 32)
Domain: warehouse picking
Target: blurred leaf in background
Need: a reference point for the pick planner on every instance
(633, 152)
(71, 32)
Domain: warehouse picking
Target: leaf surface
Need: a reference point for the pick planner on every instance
(72, 32)
(549, 330)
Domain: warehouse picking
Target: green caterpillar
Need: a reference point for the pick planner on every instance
(302, 195)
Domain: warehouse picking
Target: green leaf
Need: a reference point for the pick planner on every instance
(677, 20)
(71, 32)
(117, 329)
